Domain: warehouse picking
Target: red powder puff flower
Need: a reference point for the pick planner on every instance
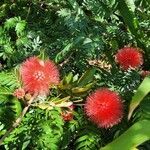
(38, 75)
(19, 93)
(129, 57)
(104, 108)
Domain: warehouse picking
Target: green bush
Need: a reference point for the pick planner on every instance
(82, 38)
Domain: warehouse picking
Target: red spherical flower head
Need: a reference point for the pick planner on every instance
(19, 93)
(104, 108)
(37, 75)
(129, 57)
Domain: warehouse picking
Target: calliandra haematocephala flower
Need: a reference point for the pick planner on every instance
(129, 57)
(38, 75)
(104, 107)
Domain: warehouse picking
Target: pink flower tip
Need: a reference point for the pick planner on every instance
(19, 93)
(145, 73)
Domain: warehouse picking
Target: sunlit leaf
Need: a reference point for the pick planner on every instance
(141, 92)
(87, 77)
(134, 136)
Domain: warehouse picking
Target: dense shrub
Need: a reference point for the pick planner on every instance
(69, 49)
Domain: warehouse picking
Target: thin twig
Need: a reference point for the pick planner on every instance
(65, 61)
(18, 120)
(77, 101)
(29, 9)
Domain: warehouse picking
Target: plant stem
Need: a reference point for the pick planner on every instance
(18, 120)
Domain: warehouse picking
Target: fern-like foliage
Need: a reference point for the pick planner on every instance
(10, 107)
(2, 129)
(39, 129)
(71, 130)
(88, 138)
(9, 80)
(14, 41)
(51, 130)
(123, 82)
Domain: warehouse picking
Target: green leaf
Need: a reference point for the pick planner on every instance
(86, 77)
(2, 130)
(11, 23)
(82, 89)
(82, 138)
(5, 91)
(76, 6)
(88, 138)
(131, 4)
(20, 26)
(141, 92)
(128, 17)
(3, 99)
(51, 130)
(9, 80)
(68, 78)
(134, 136)
(144, 109)
(16, 107)
(25, 144)
(62, 55)
(68, 49)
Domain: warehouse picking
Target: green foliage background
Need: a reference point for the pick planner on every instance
(72, 33)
